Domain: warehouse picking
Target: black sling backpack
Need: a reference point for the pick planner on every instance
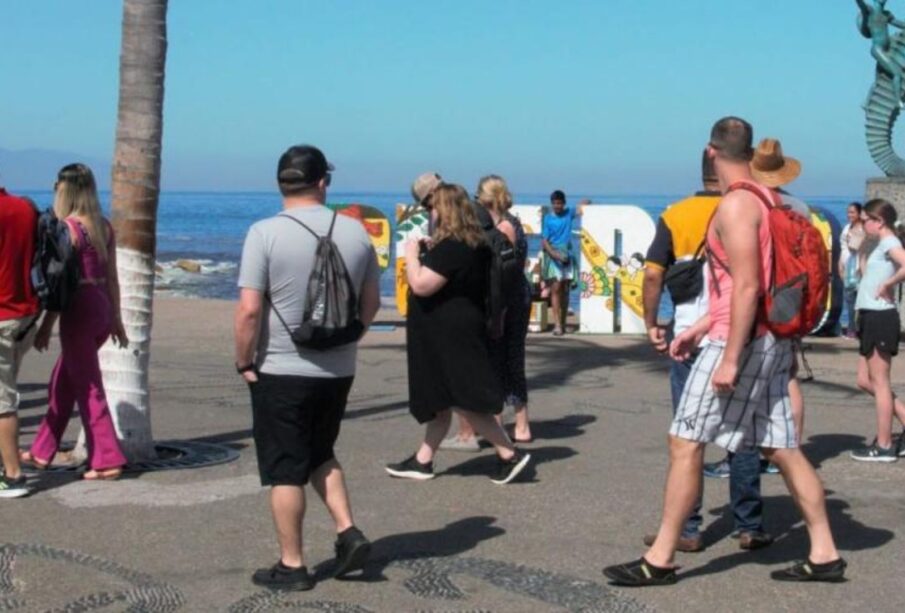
(331, 316)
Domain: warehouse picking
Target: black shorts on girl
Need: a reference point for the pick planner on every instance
(878, 330)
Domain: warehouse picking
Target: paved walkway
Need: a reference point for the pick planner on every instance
(188, 540)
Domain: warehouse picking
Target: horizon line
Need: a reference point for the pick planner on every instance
(355, 192)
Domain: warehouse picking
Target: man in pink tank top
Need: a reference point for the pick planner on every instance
(737, 392)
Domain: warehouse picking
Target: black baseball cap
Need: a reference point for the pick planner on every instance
(302, 165)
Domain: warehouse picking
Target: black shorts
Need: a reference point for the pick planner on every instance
(295, 424)
(878, 330)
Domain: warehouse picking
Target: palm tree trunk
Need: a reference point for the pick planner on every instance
(134, 196)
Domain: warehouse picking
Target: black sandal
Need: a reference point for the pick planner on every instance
(640, 573)
(832, 572)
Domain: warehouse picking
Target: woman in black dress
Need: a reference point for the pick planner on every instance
(449, 364)
(507, 353)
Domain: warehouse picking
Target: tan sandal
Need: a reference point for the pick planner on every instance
(27, 458)
(109, 474)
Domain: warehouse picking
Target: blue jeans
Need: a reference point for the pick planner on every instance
(744, 472)
(850, 294)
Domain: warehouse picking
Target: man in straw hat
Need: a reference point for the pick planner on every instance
(771, 168)
(737, 392)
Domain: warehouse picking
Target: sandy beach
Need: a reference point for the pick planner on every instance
(188, 540)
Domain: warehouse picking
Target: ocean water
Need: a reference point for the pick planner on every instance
(210, 227)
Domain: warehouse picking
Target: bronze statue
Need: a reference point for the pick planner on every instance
(874, 22)
(885, 98)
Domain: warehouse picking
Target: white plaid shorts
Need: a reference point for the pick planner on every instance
(757, 413)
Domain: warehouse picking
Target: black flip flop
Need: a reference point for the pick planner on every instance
(832, 572)
(640, 573)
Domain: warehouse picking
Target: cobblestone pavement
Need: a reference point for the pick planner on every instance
(187, 540)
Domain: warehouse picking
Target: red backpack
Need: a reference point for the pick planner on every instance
(796, 299)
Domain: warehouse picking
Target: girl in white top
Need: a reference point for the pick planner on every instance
(878, 324)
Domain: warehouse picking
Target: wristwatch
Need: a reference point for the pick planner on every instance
(244, 369)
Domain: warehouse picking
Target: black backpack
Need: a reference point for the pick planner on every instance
(55, 265)
(331, 315)
(504, 273)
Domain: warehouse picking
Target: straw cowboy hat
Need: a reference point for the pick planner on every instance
(770, 167)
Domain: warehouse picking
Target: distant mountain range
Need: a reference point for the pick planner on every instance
(37, 168)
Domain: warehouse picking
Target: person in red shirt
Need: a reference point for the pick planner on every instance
(18, 314)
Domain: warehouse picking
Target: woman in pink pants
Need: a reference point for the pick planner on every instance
(85, 325)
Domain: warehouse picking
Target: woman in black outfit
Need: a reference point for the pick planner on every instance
(449, 364)
(508, 352)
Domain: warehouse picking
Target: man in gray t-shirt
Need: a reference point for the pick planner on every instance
(298, 395)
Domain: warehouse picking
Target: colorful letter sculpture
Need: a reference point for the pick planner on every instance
(375, 224)
(829, 228)
(411, 224)
(530, 215)
(614, 239)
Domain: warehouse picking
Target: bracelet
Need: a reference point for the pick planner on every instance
(244, 369)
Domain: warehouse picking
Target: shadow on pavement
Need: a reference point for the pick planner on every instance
(453, 539)
(822, 447)
(485, 464)
(784, 522)
(564, 358)
(230, 439)
(376, 409)
(566, 427)
(27, 388)
(829, 386)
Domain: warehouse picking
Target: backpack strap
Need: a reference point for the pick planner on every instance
(332, 223)
(315, 235)
(280, 317)
(75, 233)
(291, 218)
(702, 248)
(757, 190)
(775, 201)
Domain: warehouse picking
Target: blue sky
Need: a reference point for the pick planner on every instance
(613, 96)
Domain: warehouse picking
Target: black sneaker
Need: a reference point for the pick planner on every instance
(352, 551)
(411, 468)
(874, 453)
(510, 469)
(640, 573)
(808, 571)
(13, 488)
(282, 577)
(900, 445)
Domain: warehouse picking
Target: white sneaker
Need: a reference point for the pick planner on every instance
(13, 488)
